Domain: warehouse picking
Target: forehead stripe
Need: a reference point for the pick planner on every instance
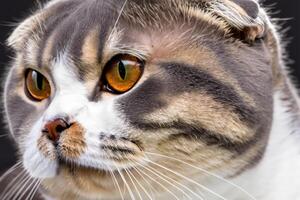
(70, 27)
(89, 48)
(61, 10)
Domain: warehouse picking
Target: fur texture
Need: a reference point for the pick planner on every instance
(214, 115)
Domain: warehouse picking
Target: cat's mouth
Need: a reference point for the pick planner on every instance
(107, 164)
(116, 159)
(73, 167)
(88, 172)
(74, 153)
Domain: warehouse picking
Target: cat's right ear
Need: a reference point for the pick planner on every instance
(28, 28)
(245, 18)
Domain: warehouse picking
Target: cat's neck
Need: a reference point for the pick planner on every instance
(277, 175)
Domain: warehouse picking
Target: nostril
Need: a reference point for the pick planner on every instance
(60, 128)
(54, 128)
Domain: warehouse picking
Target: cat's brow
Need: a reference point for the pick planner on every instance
(71, 29)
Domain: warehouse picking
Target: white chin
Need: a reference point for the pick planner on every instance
(39, 166)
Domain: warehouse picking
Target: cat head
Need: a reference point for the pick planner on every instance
(110, 86)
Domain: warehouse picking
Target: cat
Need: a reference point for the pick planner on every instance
(151, 99)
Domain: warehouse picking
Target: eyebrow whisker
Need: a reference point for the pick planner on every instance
(118, 18)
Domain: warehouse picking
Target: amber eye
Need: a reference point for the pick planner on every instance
(37, 85)
(122, 73)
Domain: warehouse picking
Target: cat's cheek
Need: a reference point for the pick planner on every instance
(35, 161)
(38, 166)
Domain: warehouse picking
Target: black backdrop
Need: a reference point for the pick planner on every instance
(14, 10)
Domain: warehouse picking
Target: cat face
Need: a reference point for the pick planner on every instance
(120, 87)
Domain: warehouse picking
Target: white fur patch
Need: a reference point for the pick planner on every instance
(34, 162)
(71, 100)
(276, 177)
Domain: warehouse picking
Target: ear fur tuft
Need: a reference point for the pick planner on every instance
(28, 28)
(245, 16)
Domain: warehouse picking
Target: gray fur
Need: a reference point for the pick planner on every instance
(217, 100)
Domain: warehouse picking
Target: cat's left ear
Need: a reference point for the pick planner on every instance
(28, 28)
(245, 17)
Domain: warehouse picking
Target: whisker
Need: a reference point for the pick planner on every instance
(206, 172)
(8, 188)
(118, 18)
(124, 187)
(133, 184)
(161, 185)
(177, 182)
(5, 135)
(125, 182)
(188, 179)
(25, 188)
(12, 191)
(170, 183)
(10, 170)
(148, 183)
(116, 183)
(34, 190)
(141, 186)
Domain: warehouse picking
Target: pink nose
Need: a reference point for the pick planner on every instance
(54, 128)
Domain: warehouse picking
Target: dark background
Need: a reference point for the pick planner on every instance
(13, 11)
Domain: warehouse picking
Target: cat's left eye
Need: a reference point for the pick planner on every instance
(37, 86)
(122, 73)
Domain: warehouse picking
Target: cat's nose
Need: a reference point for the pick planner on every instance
(54, 128)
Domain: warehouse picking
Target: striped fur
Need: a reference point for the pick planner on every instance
(213, 70)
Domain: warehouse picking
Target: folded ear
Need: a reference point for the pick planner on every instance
(245, 17)
(28, 28)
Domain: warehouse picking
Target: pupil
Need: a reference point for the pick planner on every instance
(39, 81)
(122, 70)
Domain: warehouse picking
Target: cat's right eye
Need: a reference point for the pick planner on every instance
(37, 86)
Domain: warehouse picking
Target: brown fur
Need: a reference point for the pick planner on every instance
(72, 142)
(205, 96)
